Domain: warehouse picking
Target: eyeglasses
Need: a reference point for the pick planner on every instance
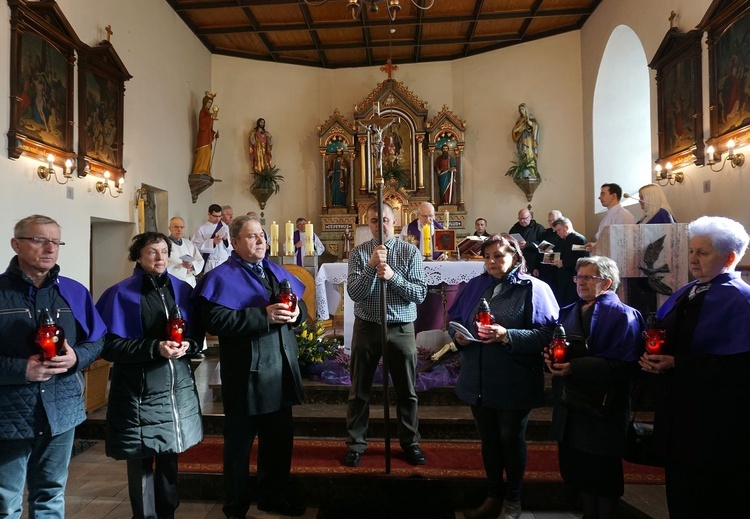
(427, 215)
(587, 278)
(524, 219)
(41, 241)
(214, 215)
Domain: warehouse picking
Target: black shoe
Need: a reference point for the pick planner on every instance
(351, 459)
(414, 455)
(283, 507)
(199, 355)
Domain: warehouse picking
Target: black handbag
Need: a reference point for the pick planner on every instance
(639, 442)
(591, 398)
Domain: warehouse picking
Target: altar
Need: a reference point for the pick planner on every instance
(332, 275)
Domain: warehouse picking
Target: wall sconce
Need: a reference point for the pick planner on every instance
(735, 159)
(665, 175)
(103, 185)
(48, 171)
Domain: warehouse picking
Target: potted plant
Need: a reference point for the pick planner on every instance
(523, 167)
(525, 174)
(265, 184)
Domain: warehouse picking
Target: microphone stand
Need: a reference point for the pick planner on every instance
(641, 200)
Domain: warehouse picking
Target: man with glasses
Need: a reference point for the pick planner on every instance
(531, 234)
(212, 238)
(42, 398)
(425, 216)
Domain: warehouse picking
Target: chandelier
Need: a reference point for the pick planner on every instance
(355, 6)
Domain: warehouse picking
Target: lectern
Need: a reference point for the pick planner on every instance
(638, 255)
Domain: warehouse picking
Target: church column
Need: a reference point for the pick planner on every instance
(325, 176)
(352, 205)
(420, 163)
(363, 162)
(432, 174)
(460, 194)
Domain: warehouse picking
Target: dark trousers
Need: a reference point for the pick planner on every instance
(503, 435)
(367, 348)
(700, 492)
(275, 442)
(152, 486)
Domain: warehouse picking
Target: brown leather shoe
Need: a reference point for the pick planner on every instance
(490, 509)
(511, 509)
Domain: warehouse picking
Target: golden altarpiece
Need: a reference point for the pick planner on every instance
(413, 163)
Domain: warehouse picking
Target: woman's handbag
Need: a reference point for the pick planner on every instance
(639, 443)
(591, 398)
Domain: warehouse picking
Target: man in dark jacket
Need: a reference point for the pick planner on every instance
(41, 400)
(260, 378)
(531, 236)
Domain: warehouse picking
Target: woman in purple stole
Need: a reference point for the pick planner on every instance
(702, 421)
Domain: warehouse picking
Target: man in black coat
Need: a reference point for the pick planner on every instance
(260, 378)
(531, 233)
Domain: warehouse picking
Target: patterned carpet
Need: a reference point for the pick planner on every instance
(445, 460)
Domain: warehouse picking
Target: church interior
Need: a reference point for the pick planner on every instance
(587, 81)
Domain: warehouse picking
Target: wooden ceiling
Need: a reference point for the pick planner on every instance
(290, 31)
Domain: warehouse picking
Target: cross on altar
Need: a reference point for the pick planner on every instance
(389, 67)
(108, 29)
(672, 16)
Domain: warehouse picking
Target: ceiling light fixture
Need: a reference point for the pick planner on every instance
(355, 6)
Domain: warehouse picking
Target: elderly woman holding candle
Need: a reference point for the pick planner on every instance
(501, 370)
(702, 421)
(592, 388)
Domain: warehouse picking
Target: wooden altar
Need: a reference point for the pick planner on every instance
(411, 146)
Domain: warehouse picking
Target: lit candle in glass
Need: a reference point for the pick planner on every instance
(274, 239)
(309, 242)
(289, 227)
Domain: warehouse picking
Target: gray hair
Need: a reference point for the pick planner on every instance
(556, 213)
(726, 235)
(238, 223)
(35, 219)
(605, 267)
(564, 221)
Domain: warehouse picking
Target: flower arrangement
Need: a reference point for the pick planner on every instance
(314, 348)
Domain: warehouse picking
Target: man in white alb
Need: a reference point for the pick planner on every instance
(179, 265)
(212, 239)
(610, 196)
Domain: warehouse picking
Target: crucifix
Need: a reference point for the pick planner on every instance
(109, 32)
(389, 68)
(672, 16)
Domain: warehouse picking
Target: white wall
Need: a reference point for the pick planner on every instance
(649, 20)
(484, 90)
(170, 70)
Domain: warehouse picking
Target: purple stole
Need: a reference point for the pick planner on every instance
(120, 304)
(723, 327)
(234, 286)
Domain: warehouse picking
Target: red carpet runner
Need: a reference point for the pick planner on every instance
(445, 459)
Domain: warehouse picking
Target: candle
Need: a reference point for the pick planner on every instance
(289, 238)
(447, 219)
(274, 239)
(426, 240)
(309, 242)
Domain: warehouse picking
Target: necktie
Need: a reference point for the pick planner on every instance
(258, 269)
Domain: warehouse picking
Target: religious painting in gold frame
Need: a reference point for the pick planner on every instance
(101, 104)
(42, 54)
(679, 98)
(728, 65)
(445, 240)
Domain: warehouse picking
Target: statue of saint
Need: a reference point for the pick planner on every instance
(206, 136)
(338, 176)
(526, 133)
(261, 144)
(445, 169)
